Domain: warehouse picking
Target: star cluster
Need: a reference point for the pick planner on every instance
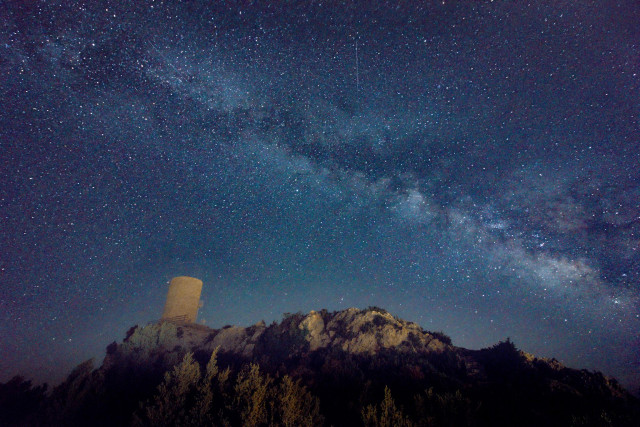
(471, 166)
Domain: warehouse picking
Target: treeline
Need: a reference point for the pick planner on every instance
(187, 396)
(192, 395)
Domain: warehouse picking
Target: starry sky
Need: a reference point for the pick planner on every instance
(472, 166)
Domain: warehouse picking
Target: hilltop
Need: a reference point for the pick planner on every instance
(350, 367)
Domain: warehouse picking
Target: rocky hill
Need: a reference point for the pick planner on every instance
(351, 367)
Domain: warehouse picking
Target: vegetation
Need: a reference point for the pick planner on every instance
(387, 414)
(188, 398)
(19, 400)
(151, 379)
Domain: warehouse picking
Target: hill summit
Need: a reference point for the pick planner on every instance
(350, 367)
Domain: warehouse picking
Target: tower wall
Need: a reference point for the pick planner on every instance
(183, 299)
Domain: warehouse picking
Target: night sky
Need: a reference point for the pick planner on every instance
(470, 166)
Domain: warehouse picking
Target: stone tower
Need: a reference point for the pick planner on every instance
(183, 300)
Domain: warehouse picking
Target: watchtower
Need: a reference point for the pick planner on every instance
(183, 300)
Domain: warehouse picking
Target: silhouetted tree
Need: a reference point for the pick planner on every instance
(78, 399)
(445, 408)
(19, 400)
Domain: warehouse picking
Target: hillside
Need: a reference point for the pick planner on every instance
(351, 367)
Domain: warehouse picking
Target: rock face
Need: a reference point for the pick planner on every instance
(353, 331)
(367, 331)
(318, 336)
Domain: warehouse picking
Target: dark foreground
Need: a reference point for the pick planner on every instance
(353, 367)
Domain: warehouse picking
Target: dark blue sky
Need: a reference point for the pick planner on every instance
(471, 166)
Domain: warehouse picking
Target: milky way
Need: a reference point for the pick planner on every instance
(473, 169)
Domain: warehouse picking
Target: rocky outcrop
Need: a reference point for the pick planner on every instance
(238, 340)
(367, 331)
(348, 359)
(316, 333)
(353, 331)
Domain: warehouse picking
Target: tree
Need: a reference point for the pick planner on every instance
(295, 406)
(210, 394)
(387, 414)
(170, 406)
(251, 396)
(445, 408)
